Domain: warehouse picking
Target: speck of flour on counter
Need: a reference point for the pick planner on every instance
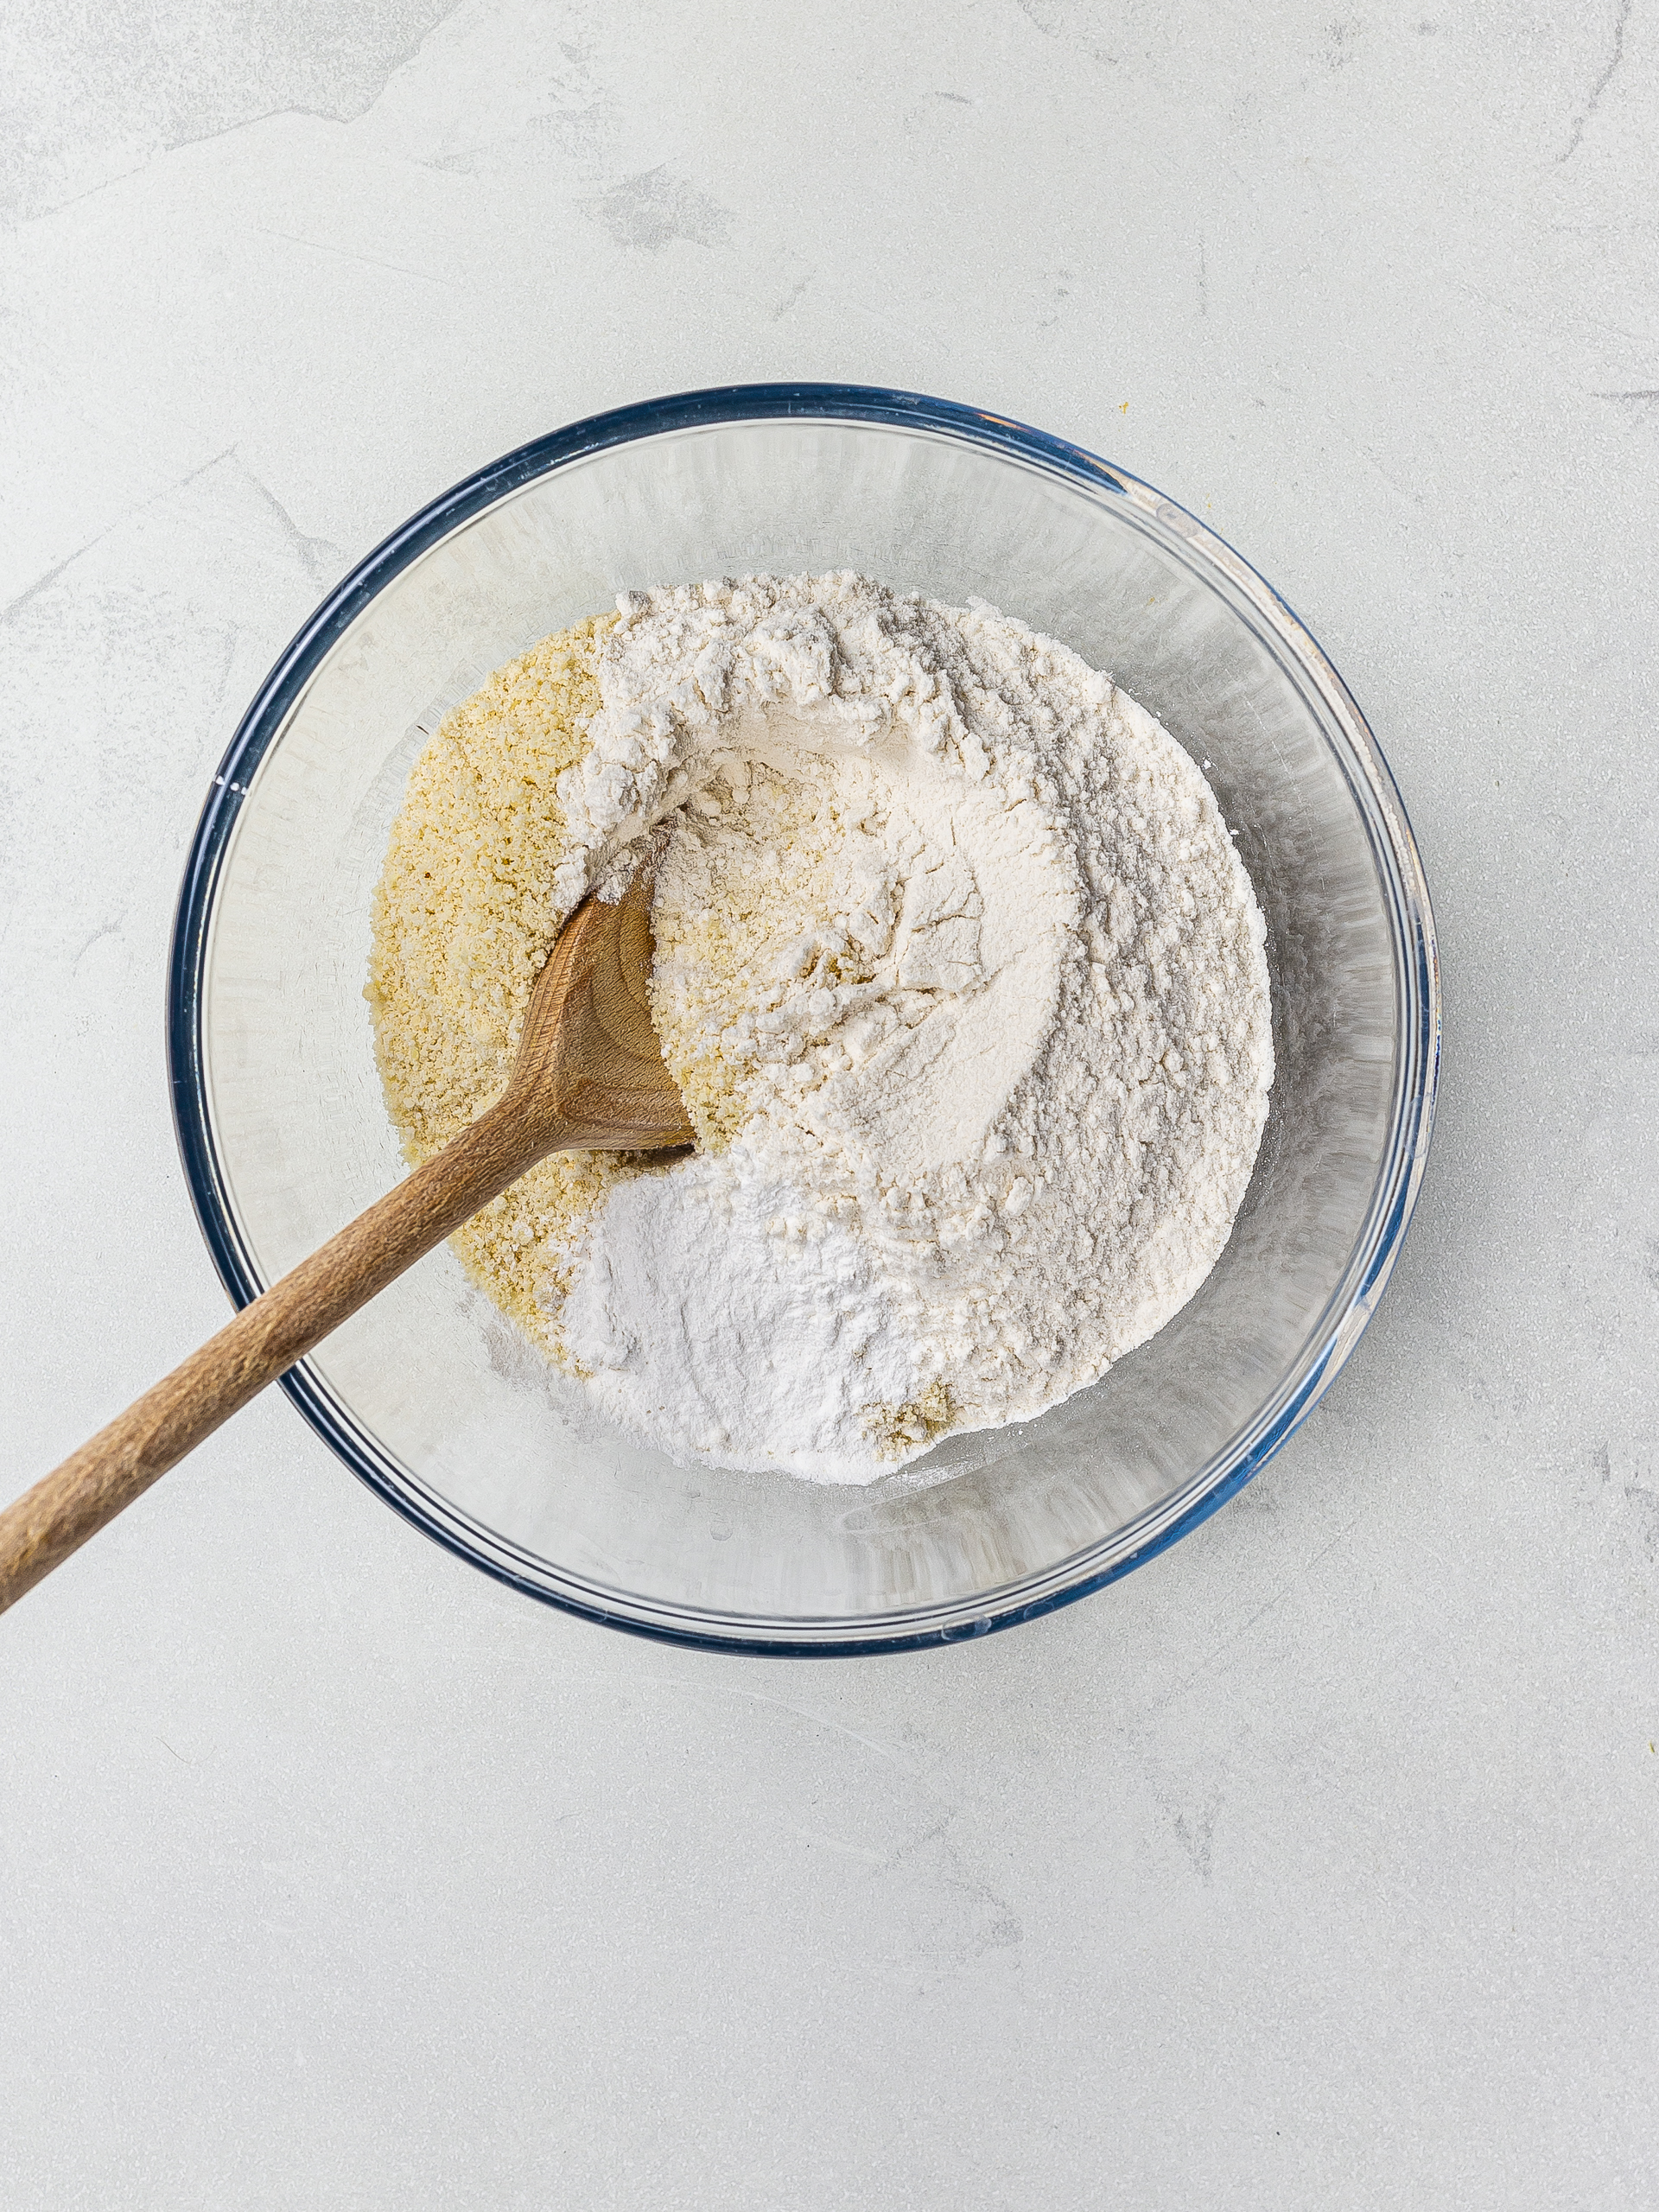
(957, 970)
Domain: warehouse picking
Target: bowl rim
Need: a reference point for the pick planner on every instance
(1417, 982)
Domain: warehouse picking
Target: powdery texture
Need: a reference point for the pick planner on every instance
(965, 987)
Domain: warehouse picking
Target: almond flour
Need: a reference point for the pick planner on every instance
(464, 915)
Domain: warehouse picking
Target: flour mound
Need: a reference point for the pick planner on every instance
(964, 985)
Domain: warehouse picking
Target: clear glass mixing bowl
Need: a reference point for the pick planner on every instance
(430, 1395)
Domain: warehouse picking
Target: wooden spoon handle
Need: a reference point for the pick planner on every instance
(121, 1462)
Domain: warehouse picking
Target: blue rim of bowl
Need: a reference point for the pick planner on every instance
(1417, 982)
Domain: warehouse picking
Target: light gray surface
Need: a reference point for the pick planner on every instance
(1314, 1864)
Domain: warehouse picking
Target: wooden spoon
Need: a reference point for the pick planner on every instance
(589, 1075)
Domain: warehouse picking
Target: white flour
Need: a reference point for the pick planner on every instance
(964, 984)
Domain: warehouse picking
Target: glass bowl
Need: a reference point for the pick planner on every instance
(430, 1395)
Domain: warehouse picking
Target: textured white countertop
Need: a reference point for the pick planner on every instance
(1313, 1866)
